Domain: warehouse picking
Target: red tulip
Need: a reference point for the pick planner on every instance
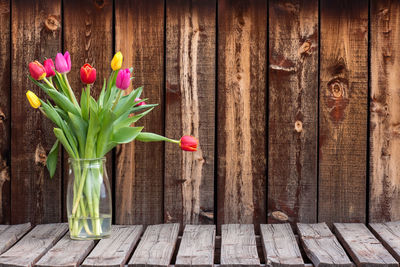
(188, 143)
(38, 72)
(137, 99)
(88, 74)
(49, 67)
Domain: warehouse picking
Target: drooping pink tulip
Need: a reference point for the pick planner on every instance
(63, 62)
(123, 79)
(49, 66)
(188, 143)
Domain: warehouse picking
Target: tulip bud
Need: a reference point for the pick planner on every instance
(188, 143)
(33, 99)
(38, 72)
(116, 62)
(63, 62)
(123, 79)
(49, 67)
(137, 99)
(88, 74)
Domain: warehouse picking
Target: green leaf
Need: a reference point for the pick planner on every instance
(127, 102)
(126, 122)
(93, 129)
(61, 137)
(62, 85)
(105, 132)
(126, 134)
(80, 127)
(102, 94)
(63, 102)
(51, 162)
(84, 105)
(152, 137)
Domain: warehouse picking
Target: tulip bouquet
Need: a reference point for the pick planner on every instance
(90, 128)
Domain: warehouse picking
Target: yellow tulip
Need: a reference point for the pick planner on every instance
(116, 62)
(33, 99)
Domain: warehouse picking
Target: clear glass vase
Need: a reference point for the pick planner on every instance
(89, 199)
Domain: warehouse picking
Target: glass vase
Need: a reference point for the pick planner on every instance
(89, 199)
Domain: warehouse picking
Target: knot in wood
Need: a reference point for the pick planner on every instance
(305, 48)
(337, 89)
(2, 116)
(40, 155)
(280, 216)
(298, 126)
(99, 3)
(52, 23)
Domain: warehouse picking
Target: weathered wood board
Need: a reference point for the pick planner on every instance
(293, 109)
(190, 110)
(10, 234)
(343, 111)
(280, 246)
(389, 234)
(139, 35)
(241, 111)
(321, 246)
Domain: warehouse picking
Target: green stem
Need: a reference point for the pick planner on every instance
(117, 100)
(71, 93)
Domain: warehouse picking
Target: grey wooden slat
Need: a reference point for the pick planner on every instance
(9, 234)
(34, 245)
(389, 234)
(280, 246)
(362, 245)
(321, 246)
(197, 246)
(238, 245)
(66, 253)
(115, 250)
(157, 246)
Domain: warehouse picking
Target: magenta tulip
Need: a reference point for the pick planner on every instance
(123, 79)
(141, 103)
(49, 66)
(63, 62)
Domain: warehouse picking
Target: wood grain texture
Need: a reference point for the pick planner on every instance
(115, 250)
(66, 253)
(5, 121)
(10, 234)
(36, 34)
(197, 246)
(139, 35)
(362, 246)
(241, 133)
(280, 246)
(321, 246)
(389, 235)
(190, 110)
(384, 110)
(34, 245)
(343, 111)
(238, 245)
(88, 36)
(293, 109)
(156, 246)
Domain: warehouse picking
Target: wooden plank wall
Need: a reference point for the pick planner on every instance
(295, 104)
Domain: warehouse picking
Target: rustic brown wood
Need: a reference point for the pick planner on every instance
(241, 134)
(34, 197)
(190, 110)
(293, 109)
(238, 246)
(10, 234)
(389, 234)
(343, 111)
(139, 35)
(362, 246)
(280, 246)
(88, 36)
(66, 253)
(5, 84)
(34, 245)
(384, 118)
(156, 246)
(115, 250)
(197, 246)
(321, 246)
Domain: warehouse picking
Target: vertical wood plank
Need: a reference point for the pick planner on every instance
(139, 35)
(343, 111)
(241, 136)
(36, 34)
(384, 108)
(190, 110)
(293, 109)
(5, 119)
(88, 36)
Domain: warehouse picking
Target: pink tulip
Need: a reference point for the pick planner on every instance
(49, 66)
(137, 99)
(63, 62)
(188, 143)
(38, 72)
(123, 79)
